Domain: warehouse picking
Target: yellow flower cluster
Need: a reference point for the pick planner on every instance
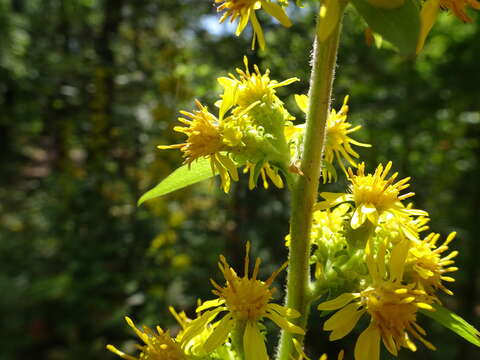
(368, 247)
(392, 270)
(244, 301)
(252, 134)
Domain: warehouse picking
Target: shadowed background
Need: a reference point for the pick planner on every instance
(89, 88)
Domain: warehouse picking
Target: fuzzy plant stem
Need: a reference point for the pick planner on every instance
(237, 339)
(304, 192)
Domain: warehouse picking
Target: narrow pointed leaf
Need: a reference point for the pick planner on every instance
(400, 26)
(454, 323)
(182, 177)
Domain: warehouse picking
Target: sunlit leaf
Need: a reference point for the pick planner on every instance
(182, 177)
(455, 323)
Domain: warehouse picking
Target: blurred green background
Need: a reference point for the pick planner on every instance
(89, 88)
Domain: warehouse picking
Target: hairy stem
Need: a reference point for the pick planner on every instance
(237, 339)
(304, 192)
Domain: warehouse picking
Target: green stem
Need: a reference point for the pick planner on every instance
(304, 192)
(237, 339)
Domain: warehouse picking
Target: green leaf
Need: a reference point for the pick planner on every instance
(455, 323)
(400, 26)
(182, 177)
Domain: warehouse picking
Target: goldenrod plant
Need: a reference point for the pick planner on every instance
(360, 261)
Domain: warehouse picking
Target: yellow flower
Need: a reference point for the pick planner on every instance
(204, 139)
(392, 308)
(326, 224)
(245, 10)
(338, 142)
(430, 12)
(375, 195)
(246, 301)
(391, 230)
(202, 130)
(328, 236)
(194, 345)
(158, 345)
(253, 86)
(260, 118)
(428, 267)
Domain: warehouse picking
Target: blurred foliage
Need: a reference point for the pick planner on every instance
(89, 87)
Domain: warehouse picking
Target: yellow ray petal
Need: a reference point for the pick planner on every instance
(254, 343)
(338, 302)
(277, 12)
(428, 16)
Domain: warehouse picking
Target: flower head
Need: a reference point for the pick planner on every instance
(375, 195)
(157, 345)
(259, 119)
(338, 142)
(376, 191)
(392, 308)
(203, 134)
(244, 300)
(428, 267)
(253, 86)
(391, 230)
(253, 134)
(205, 139)
(245, 10)
(328, 223)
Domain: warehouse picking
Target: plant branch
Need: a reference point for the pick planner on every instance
(304, 192)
